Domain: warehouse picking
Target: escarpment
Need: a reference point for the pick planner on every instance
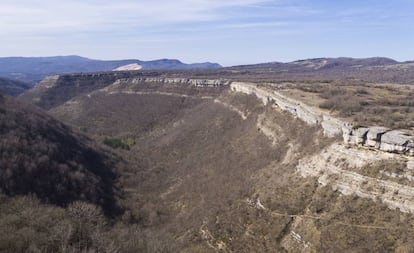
(345, 168)
(384, 139)
(352, 171)
(56, 90)
(394, 141)
(185, 81)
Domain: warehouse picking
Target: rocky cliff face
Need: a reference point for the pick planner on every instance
(340, 167)
(312, 116)
(56, 90)
(187, 81)
(381, 138)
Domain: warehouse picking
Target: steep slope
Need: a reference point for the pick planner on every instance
(188, 162)
(12, 87)
(34, 69)
(55, 90)
(41, 156)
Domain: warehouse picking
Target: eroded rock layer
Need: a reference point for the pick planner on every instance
(394, 141)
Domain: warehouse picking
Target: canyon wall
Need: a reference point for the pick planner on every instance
(395, 141)
(187, 81)
(56, 90)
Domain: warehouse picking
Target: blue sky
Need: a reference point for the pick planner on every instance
(229, 32)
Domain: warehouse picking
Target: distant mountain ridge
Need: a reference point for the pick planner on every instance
(324, 63)
(349, 62)
(34, 69)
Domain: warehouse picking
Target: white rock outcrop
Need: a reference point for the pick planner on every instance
(329, 167)
(129, 67)
(394, 141)
(190, 81)
(374, 136)
(331, 126)
(377, 137)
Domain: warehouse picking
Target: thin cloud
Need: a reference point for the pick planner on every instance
(198, 30)
(254, 25)
(35, 16)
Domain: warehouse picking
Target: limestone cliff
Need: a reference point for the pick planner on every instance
(56, 90)
(394, 141)
(188, 81)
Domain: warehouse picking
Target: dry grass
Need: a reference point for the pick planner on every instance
(364, 104)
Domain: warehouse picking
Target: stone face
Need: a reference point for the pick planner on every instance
(296, 108)
(359, 135)
(347, 133)
(410, 147)
(331, 126)
(195, 82)
(374, 136)
(396, 141)
(327, 167)
(382, 138)
(396, 137)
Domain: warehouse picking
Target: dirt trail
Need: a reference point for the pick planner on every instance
(304, 216)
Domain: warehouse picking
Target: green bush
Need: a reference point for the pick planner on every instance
(116, 143)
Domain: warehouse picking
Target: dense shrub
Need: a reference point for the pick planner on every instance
(40, 155)
(119, 143)
(27, 225)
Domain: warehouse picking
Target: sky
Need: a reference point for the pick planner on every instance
(230, 32)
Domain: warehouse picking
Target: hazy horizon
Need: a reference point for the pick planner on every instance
(252, 63)
(229, 33)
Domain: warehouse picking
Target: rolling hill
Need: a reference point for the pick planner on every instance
(13, 87)
(34, 69)
(376, 69)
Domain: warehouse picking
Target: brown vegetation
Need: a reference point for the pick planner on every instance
(12, 87)
(365, 105)
(197, 170)
(41, 156)
(200, 178)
